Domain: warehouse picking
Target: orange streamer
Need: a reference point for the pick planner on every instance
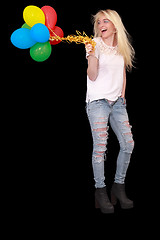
(78, 39)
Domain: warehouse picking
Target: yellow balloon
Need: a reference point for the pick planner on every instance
(33, 15)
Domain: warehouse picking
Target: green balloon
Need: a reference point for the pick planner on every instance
(26, 26)
(41, 51)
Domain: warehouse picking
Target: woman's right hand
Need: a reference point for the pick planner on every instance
(89, 49)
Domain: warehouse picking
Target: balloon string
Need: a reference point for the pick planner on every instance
(78, 39)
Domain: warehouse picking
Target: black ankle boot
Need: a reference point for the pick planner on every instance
(118, 192)
(102, 201)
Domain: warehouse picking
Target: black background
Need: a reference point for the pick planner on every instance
(47, 134)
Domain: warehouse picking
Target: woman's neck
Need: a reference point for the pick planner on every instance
(110, 41)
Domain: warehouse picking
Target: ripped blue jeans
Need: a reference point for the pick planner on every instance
(100, 113)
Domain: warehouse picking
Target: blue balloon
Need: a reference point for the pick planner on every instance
(40, 33)
(21, 38)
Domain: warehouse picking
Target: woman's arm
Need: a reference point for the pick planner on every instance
(92, 70)
(124, 83)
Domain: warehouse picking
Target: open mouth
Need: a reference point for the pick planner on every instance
(103, 30)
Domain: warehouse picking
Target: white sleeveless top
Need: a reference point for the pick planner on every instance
(109, 82)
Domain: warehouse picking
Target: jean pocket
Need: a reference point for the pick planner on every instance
(123, 101)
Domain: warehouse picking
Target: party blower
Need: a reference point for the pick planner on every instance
(39, 32)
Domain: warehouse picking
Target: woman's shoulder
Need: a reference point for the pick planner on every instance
(97, 39)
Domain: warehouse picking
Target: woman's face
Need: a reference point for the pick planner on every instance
(105, 27)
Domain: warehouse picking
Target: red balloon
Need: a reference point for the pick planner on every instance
(59, 32)
(50, 16)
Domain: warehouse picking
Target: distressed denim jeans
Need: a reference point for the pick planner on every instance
(100, 114)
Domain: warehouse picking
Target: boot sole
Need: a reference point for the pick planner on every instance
(114, 201)
(104, 210)
(125, 206)
(107, 211)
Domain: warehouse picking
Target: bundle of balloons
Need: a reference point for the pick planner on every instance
(36, 32)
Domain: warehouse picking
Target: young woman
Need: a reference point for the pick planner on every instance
(106, 84)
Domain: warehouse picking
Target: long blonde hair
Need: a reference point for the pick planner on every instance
(123, 38)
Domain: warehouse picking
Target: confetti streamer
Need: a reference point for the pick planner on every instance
(78, 39)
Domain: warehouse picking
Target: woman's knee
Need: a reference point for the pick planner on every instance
(128, 146)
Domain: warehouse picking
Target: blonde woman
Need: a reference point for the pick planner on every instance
(106, 84)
